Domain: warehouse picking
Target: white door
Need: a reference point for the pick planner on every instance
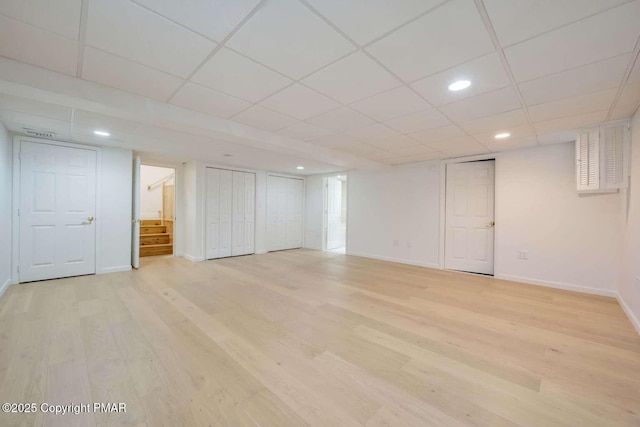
(249, 212)
(334, 213)
(135, 215)
(284, 213)
(238, 214)
(218, 213)
(57, 209)
(293, 227)
(470, 216)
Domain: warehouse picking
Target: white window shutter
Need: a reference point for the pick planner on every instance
(588, 160)
(614, 171)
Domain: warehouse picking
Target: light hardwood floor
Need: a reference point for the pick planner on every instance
(310, 338)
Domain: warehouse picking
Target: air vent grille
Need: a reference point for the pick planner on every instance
(40, 133)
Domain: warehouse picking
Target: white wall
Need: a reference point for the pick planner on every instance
(629, 287)
(394, 215)
(6, 160)
(151, 200)
(572, 240)
(115, 205)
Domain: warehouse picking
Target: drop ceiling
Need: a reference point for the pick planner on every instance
(331, 84)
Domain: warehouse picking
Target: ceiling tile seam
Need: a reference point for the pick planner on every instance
(174, 22)
(218, 47)
(46, 30)
(625, 78)
(223, 93)
(82, 36)
(134, 61)
(569, 23)
(505, 63)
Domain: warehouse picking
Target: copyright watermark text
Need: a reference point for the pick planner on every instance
(71, 408)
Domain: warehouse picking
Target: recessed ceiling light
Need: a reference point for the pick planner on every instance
(300, 168)
(502, 135)
(459, 85)
(101, 133)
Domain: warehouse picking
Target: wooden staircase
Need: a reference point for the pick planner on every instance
(155, 238)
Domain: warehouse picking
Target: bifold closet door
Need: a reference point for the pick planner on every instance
(244, 185)
(284, 213)
(218, 213)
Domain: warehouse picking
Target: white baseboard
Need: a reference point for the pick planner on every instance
(115, 269)
(5, 286)
(558, 285)
(398, 260)
(260, 252)
(193, 258)
(630, 314)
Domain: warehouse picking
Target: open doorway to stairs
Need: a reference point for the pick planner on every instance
(335, 208)
(157, 207)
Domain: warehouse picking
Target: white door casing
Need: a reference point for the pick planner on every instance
(334, 213)
(135, 214)
(469, 216)
(57, 206)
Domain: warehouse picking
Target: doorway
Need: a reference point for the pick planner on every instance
(470, 216)
(157, 210)
(336, 213)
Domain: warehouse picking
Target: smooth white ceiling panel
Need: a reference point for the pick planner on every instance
(304, 131)
(599, 37)
(60, 16)
(390, 104)
(287, 36)
(208, 101)
(450, 35)
(133, 32)
(573, 106)
(439, 134)
(423, 120)
(573, 122)
(492, 123)
(341, 119)
(395, 142)
(485, 74)
(263, 118)
(374, 131)
(110, 70)
(236, 75)
(214, 19)
(487, 104)
(300, 102)
(352, 78)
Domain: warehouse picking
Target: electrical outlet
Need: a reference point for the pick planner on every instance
(523, 255)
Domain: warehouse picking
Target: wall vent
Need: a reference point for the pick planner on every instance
(40, 133)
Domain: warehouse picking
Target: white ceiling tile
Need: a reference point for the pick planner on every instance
(487, 104)
(32, 45)
(491, 123)
(208, 101)
(513, 144)
(352, 78)
(573, 122)
(128, 30)
(516, 132)
(304, 131)
(606, 35)
(439, 134)
(300, 102)
(557, 137)
(336, 141)
(113, 71)
(573, 106)
(433, 155)
(287, 36)
(35, 108)
(374, 131)
(412, 150)
(341, 119)
(212, 18)
(395, 142)
(630, 96)
(485, 74)
(363, 21)
(391, 104)
(415, 122)
(236, 75)
(580, 81)
(515, 21)
(366, 151)
(462, 148)
(263, 118)
(61, 16)
(450, 35)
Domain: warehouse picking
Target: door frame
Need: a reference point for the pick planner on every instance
(443, 200)
(15, 235)
(266, 201)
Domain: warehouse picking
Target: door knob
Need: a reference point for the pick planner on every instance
(90, 219)
(491, 224)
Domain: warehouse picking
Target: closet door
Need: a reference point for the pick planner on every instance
(276, 212)
(226, 200)
(249, 212)
(238, 214)
(293, 228)
(212, 214)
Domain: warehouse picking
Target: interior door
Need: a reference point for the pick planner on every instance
(219, 188)
(469, 227)
(293, 227)
(135, 214)
(276, 212)
(334, 213)
(238, 214)
(57, 209)
(249, 212)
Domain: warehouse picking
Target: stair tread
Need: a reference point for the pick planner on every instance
(155, 234)
(158, 245)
